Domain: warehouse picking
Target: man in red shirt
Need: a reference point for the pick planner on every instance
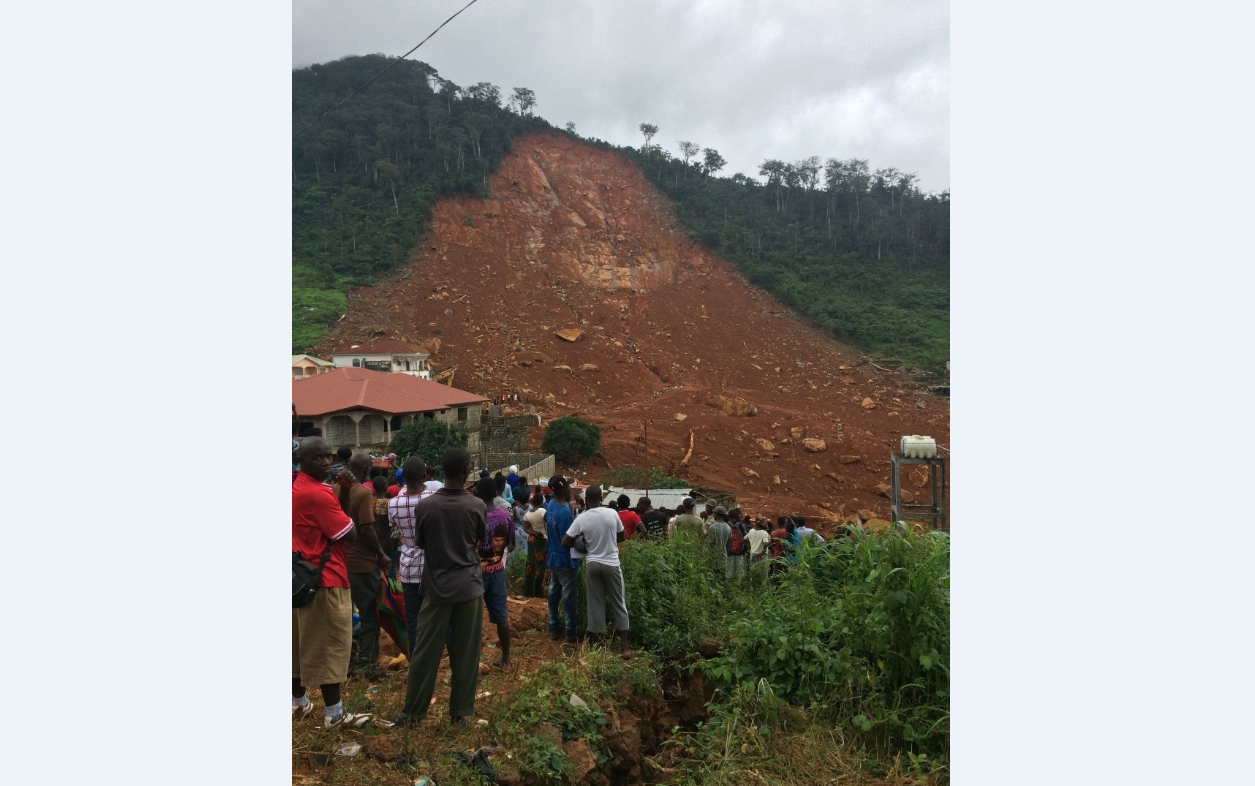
(628, 516)
(322, 630)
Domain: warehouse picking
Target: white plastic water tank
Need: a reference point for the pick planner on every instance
(916, 446)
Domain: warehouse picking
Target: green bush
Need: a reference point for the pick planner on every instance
(571, 439)
(630, 476)
(861, 628)
(429, 439)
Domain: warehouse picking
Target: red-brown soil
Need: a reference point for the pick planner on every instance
(574, 237)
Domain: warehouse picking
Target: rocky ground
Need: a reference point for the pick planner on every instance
(575, 287)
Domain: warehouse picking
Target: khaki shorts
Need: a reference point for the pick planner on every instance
(322, 638)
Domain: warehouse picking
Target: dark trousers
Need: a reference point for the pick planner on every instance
(564, 586)
(364, 588)
(413, 602)
(434, 621)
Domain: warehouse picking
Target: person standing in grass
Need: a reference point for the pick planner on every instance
(630, 518)
(562, 568)
(322, 630)
(653, 522)
(449, 527)
(719, 532)
(499, 537)
(757, 539)
(537, 569)
(602, 532)
(686, 521)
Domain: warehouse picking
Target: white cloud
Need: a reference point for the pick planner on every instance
(754, 79)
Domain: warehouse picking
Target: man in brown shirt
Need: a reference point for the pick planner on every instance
(364, 557)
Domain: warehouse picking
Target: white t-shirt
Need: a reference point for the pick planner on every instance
(757, 539)
(433, 485)
(600, 527)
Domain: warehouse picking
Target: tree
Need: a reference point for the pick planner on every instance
(523, 101)
(688, 150)
(486, 92)
(571, 439)
(649, 131)
(570, 126)
(714, 161)
(428, 439)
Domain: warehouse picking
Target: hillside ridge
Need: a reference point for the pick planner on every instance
(574, 237)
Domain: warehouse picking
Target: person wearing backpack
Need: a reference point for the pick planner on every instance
(737, 544)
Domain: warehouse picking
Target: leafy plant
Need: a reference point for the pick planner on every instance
(428, 438)
(629, 476)
(571, 439)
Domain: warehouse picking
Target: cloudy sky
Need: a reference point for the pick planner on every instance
(754, 79)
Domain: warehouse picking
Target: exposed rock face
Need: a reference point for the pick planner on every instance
(577, 260)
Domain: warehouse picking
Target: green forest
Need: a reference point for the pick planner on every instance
(862, 253)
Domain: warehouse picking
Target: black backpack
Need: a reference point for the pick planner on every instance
(306, 579)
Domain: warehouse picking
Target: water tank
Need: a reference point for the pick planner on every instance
(916, 446)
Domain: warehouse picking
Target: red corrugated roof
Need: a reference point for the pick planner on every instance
(381, 347)
(360, 388)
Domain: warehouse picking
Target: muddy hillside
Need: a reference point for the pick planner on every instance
(652, 325)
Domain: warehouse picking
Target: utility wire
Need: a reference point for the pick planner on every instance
(381, 73)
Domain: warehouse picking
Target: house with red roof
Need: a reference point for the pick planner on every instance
(387, 355)
(361, 408)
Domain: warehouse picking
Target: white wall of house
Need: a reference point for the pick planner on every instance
(413, 363)
(361, 428)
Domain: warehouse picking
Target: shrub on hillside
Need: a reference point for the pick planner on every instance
(428, 439)
(571, 439)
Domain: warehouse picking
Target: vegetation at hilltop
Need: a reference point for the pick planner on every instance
(365, 177)
(862, 253)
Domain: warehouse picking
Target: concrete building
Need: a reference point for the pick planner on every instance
(388, 356)
(308, 365)
(360, 408)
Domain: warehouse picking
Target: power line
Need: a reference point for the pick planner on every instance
(381, 73)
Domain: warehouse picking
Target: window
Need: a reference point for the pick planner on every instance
(429, 415)
(296, 372)
(461, 413)
(357, 363)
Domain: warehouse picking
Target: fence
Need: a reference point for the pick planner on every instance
(533, 466)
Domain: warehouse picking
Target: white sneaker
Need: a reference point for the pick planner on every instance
(301, 713)
(347, 721)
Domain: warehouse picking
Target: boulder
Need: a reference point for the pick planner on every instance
(728, 406)
(589, 367)
(797, 432)
(765, 444)
(569, 334)
(749, 473)
(884, 489)
(865, 516)
(681, 416)
(813, 445)
(582, 758)
(850, 459)
(869, 404)
(775, 480)
(562, 368)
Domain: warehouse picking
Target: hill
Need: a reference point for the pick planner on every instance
(574, 237)
(861, 253)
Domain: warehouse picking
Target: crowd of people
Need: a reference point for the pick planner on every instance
(448, 545)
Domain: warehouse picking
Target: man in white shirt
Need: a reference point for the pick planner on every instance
(757, 539)
(599, 531)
